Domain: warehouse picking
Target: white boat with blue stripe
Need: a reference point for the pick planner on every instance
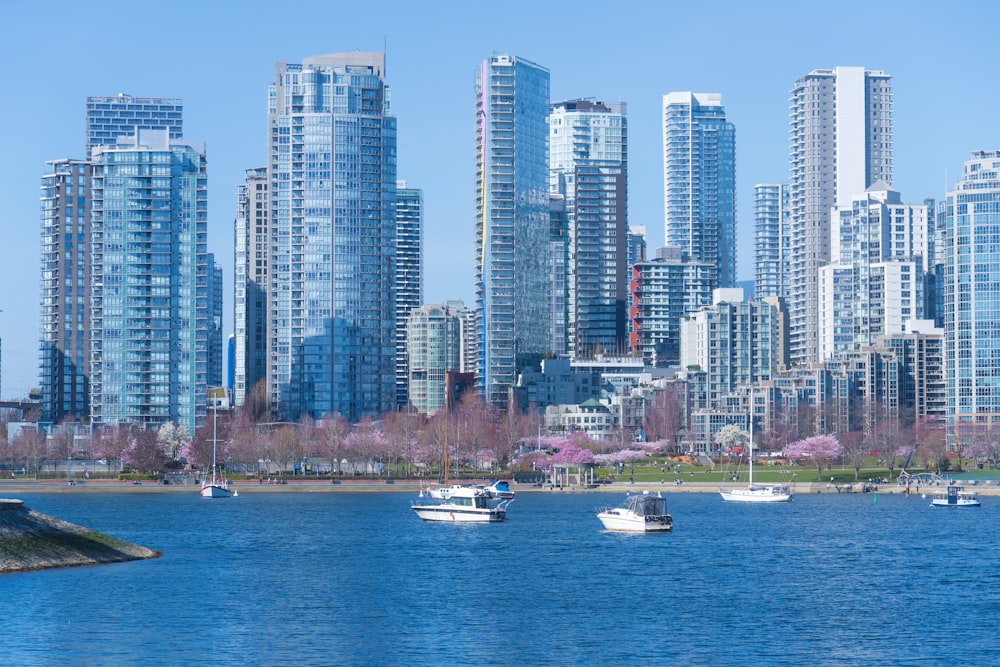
(464, 505)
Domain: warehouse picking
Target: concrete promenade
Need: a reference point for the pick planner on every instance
(14, 488)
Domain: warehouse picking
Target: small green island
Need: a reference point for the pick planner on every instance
(30, 540)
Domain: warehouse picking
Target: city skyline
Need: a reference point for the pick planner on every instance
(431, 84)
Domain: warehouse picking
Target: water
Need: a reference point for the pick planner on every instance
(356, 579)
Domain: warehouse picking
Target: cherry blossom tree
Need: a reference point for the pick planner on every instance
(173, 436)
(367, 442)
(822, 450)
(731, 438)
(571, 453)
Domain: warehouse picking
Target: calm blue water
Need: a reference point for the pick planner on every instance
(357, 579)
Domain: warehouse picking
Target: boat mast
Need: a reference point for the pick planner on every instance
(750, 413)
(215, 417)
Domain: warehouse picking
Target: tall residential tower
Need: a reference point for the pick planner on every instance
(841, 143)
(150, 292)
(971, 216)
(332, 320)
(409, 275)
(588, 153)
(699, 181)
(512, 221)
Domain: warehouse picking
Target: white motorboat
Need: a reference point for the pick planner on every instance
(638, 513)
(955, 496)
(756, 493)
(216, 486)
(464, 505)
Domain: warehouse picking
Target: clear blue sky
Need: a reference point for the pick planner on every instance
(219, 58)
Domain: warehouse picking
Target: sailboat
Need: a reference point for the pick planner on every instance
(215, 486)
(756, 493)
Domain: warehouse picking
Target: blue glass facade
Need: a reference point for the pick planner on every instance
(972, 301)
(588, 147)
(512, 221)
(150, 271)
(771, 239)
(699, 173)
(110, 117)
(333, 238)
(65, 291)
(409, 275)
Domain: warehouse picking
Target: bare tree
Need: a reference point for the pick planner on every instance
(663, 416)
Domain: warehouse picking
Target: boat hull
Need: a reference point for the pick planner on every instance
(216, 491)
(636, 524)
(459, 514)
(757, 494)
(961, 502)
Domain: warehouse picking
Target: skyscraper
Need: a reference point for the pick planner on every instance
(251, 276)
(699, 180)
(771, 238)
(841, 143)
(214, 322)
(332, 170)
(972, 301)
(65, 291)
(150, 281)
(434, 347)
(409, 274)
(662, 290)
(66, 249)
(876, 280)
(588, 153)
(512, 220)
(113, 116)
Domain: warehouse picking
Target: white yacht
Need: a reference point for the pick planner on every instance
(638, 513)
(464, 505)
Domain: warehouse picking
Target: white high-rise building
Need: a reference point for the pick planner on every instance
(588, 158)
(972, 301)
(841, 143)
(876, 280)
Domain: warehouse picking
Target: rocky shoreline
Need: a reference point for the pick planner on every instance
(30, 540)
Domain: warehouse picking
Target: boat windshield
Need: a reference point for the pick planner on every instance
(648, 505)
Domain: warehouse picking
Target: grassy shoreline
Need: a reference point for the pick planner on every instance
(8, 487)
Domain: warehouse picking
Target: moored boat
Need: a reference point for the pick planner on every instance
(499, 490)
(638, 513)
(956, 496)
(464, 505)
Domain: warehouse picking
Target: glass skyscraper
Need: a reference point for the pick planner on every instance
(250, 282)
(409, 275)
(150, 281)
(771, 239)
(512, 221)
(112, 116)
(68, 270)
(332, 170)
(588, 153)
(971, 218)
(699, 181)
(65, 291)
